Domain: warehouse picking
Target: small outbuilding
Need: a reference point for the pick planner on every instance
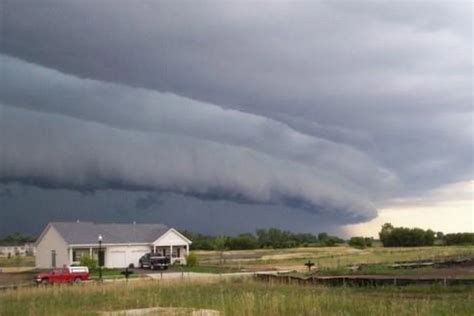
(64, 243)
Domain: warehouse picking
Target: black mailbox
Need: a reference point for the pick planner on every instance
(126, 273)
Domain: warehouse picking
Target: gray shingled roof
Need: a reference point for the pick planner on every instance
(88, 232)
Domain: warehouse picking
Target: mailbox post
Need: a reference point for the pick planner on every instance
(309, 264)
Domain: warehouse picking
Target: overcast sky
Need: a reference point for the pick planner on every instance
(222, 116)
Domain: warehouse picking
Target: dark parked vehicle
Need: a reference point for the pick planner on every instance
(154, 261)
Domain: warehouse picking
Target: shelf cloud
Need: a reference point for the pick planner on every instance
(326, 109)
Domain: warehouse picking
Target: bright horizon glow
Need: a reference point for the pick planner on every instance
(449, 209)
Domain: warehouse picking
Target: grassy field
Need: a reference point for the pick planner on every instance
(241, 297)
(203, 269)
(17, 261)
(327, 257)
(249, 297)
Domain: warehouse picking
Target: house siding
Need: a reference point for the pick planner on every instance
(51, 240)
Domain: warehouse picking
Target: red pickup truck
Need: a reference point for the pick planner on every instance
(68, 274)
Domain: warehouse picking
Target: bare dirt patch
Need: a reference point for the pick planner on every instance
(164, 311)
(15, 278)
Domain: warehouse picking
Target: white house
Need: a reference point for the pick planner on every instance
(63, 243)
(27, 249)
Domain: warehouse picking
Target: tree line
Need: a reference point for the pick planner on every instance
(391, 236)
(459, 239)
(16, 239)
(263, 238)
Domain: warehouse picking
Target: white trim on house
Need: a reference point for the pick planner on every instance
(156, 242)
(174, 244)
(110, 244)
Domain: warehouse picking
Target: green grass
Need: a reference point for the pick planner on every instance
(240, 297)
(330, 257)
(203, 269)
(110, 274)
(17, 261)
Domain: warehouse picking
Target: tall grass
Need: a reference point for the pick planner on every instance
(17, 261)
(241, 297)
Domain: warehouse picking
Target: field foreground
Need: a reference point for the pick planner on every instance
(238, 297)
(246, 296)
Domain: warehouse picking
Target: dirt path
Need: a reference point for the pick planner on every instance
(163, 311)
(16, 277)
(205, 276)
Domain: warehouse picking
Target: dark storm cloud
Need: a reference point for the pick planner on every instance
(148, 111)
(147, 201)
(57, 151)
(39, 206)
(326, 106)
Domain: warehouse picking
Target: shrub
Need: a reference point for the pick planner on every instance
(243, 241)
(192, 260)
(357, 242)
(89, 262)
(360, 242)
(368, 241)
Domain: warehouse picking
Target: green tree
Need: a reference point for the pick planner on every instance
(459, 239)
(192, 260)
(323, 236)
(219, 244)
(357, 242)
(242, 241)
(89, 262)
(405, 237)
(16, 239)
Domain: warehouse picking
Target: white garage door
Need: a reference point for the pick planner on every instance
(117, 259)
(136, 255)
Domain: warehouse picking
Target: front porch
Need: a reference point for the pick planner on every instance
(75, 254)
(176, 253)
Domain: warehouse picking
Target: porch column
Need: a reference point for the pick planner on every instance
(187, 250)
(70, 256)
(90, 252)
(171, 254)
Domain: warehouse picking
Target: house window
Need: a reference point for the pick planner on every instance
(53, 258)
(78, 253)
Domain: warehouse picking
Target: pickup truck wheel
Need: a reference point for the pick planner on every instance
(77, 280)
(45, 281)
